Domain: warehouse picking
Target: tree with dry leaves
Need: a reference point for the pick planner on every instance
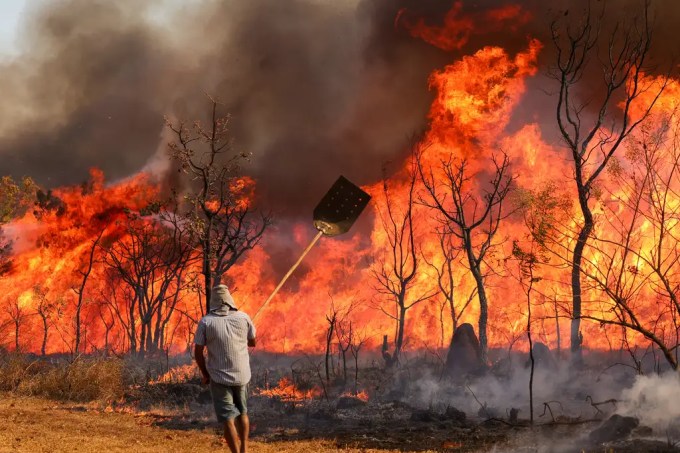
(594, 126)
(637, 252)
(15, 199)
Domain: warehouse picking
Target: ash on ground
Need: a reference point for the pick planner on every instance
(418, 406)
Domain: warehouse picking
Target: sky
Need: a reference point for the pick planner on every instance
(10, 18)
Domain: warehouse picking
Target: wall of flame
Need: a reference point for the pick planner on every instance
(476, 98)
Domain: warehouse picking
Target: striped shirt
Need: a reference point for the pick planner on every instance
(226, 338)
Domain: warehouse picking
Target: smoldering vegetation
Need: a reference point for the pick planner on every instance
(605, 404)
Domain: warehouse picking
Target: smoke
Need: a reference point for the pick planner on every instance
(507, 387)
(315, 88)
(654, 400)
(563, 394)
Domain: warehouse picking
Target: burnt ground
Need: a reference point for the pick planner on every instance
(349, 422)
(411, 407)
(375, 425)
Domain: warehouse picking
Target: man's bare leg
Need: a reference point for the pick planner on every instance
(243, 427)
(230, 435)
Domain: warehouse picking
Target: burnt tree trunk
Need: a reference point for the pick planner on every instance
(80, 291)
(399, 342)
(43, 346)
(576, 338)
(17, 325)
(476, 272)
(329, 336)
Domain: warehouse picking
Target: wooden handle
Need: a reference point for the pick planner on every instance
(290, 271)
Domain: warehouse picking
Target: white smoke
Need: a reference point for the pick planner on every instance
(654, 400)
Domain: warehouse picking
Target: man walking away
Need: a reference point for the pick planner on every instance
(227, 333)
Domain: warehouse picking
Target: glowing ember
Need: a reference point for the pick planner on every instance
(287, 391)
(179, 374)
(362, 395)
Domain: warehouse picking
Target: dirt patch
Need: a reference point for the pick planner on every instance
(37, 425)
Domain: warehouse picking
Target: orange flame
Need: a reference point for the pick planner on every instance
(287, 391)
(476, 97)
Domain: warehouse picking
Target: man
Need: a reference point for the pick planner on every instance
(227, 333)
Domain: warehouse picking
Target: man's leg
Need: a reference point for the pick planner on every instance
(243, 427)
(240, 394)
(231, 436)
(223, 400)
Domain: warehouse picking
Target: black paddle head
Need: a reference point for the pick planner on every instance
(340, 208)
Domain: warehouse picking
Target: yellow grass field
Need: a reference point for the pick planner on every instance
(39, 425)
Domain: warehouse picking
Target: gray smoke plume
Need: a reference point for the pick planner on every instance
(315, 88)
(311, 92)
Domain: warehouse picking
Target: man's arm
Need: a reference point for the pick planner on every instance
(251, 332)
(200, 361)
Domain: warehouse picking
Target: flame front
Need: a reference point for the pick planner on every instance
(476, 99)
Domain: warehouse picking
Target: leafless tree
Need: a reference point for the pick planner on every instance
(18, 315)
(449, 255)
(345, 336)
(591, 126)
(359, 338)
(473, 219)
(218, 205)
(119, 300)
(332, 319)
(84, 271)
(107, 316)
(528, 257)
(152, 260)
(396, 271)
(45, 309)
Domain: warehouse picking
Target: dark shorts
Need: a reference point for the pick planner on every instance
(229, 401)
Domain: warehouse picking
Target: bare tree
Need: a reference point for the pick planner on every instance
(18, 315)
(472, 219)
(449, 254)
(359, 338)
(397, 270)
(219, 208)
(107, 315)
(345, 335)
(332, 319)
(120, 300)
(152, 259)
(84, 271)
(528, 260)
(591, 127)
(45, 309)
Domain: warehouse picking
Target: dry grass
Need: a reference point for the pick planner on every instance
(38, 425)
(84, 379)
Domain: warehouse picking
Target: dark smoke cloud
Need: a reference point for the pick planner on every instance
(315, 88)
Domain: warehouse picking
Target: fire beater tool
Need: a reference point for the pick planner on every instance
(334, 215)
